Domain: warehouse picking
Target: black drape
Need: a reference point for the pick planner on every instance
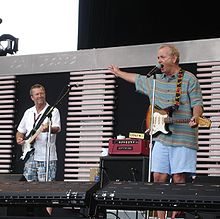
(112, 23)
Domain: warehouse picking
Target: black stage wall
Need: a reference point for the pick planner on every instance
(112, 23)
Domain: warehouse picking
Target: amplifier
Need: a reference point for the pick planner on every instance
(128, 146)
(123, 168)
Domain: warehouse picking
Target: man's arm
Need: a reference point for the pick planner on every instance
(54, 129)
(20, 137)
(130, 77)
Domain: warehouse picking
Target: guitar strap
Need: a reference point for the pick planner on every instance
(37, 126)
(175, 107)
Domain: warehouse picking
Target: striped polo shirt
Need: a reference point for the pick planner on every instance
(165, 93)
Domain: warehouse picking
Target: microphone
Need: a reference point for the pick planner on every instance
(155, 70)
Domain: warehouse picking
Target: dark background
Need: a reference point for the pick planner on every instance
(111, 23)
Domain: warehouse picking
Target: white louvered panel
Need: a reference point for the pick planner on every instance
(88, 153)
(208, 166)
(89, 121)
(8, 156)
(7, 110)
(212, 102)
(210, 159)
(206, 75)
(208, 155)
(6, 131)
(210, 114)
(81, 149)
(90, 107)
(78, 177)
(5, 162)
(209, 148)
(83, 92)
(87, 139)
(101, 102)
(93, 82)
(72, 144)
(87, 128)
(213, 80)
(83, 170)
(216, 91)
(203, 86)
(217, 96)
(90, 112)
(214, 153)
(5, 151)
(5, 169)
(205, 137)
(11, 96)
(209, 141)
(83, 159)
(205, 64)
(92, 87)
(92, 75)
(92, 97)
(91, 133)
(6, 91)
(85, 74)
(72, 165)
(208, 172)
(8, 87)
(93, 118)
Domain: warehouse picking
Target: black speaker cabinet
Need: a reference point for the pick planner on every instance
(124, 168)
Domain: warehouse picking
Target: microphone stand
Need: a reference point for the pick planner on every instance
(151, 133)
(48, 146)
(151, 128)
(49, 115)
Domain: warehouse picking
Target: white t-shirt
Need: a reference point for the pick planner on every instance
(29, 120)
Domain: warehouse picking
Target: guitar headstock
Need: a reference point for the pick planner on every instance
(204, 122)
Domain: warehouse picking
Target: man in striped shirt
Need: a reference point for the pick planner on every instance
(178, 91)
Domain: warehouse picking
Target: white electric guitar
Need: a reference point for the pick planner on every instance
(161, 120)
(27, 147)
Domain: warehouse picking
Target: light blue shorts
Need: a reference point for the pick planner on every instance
(171, 160)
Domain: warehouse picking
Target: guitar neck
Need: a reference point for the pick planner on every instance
(33, 137)
(171, 120)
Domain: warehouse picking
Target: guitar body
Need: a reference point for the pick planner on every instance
(27, 150)
(159, 118)
(27, 147)
(162, 118)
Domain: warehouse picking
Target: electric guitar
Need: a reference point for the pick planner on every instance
(161, 120)
(27, 147)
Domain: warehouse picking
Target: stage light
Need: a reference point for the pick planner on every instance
(8, 44)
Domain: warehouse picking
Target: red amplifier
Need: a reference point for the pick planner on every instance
(128, 146)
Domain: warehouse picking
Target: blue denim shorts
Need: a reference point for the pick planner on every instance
(171, 160)
(36, 170)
